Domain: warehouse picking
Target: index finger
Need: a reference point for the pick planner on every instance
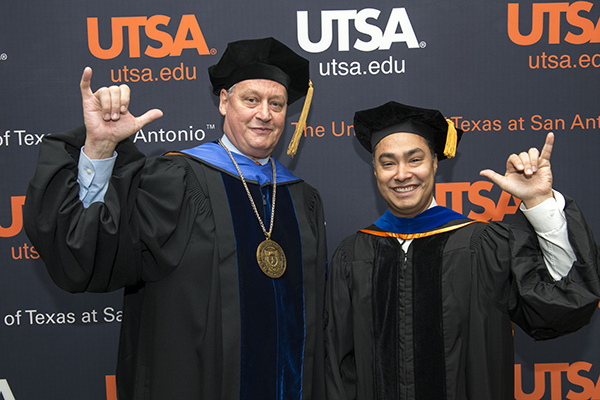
(86, 81)
(547, 150)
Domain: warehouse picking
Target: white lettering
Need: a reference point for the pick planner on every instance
(399, 17)
(139, 135)
(362, 26)
(162, 136)
(379, 40)
(5, 391)
(110, 315)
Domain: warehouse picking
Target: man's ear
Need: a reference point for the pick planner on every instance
(223, 100)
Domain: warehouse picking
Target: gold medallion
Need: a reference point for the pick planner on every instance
(271, 258)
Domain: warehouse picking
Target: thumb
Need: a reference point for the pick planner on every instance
(149, 116)
(492, 176)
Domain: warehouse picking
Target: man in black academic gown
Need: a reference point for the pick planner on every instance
(220, 248)
(419, 305)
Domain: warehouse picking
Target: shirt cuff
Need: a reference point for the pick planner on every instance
(548, 216)
(550, 224)
(93, 177)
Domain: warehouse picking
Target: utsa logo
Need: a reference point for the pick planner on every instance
(188, 36)
(379, 39)
(581, 29)
(581, 386)
(492, 210)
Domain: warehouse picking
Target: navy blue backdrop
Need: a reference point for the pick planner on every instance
(507, 73)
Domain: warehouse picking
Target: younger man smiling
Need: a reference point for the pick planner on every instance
(419, 305)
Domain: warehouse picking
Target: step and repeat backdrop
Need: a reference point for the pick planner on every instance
(506, 73)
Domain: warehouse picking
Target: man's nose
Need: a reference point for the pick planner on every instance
(403, 172)
(264, 112)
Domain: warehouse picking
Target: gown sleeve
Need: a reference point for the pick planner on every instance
(314, 292)
(542, 307)
(340, 366)
(137, 234)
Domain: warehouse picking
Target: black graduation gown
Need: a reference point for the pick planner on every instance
(195, 326)
(436, 323)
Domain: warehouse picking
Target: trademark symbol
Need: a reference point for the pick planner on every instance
(423, 45)
(3, 56)
(210, 126)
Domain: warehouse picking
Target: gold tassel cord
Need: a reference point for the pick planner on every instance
(293, 147)
(451, 140)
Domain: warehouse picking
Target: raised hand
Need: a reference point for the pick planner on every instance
(107, 117)
(528, 175)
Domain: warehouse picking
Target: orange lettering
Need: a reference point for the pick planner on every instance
(537, 124)
(491, 211)
(587, 26)
(589, 390)
(596, 391)
(489, 208)
(504, 208)
(576, 379)
(189, 24)
(117, 24)
(596, 35)
(94, 41)
(133, 23)
(111, 387)
(537, 23)
(539, 386)
(537, 26)
(555, 370)
(554, 10)
(456, 189)
(163, 37)
(341, 132)
(16, 203)
(540, 370)
(189, 36)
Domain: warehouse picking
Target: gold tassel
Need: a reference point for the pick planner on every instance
(293, 147)
(451, 140)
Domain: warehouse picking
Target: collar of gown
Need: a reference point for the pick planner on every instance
(428, 220)
(214, 154)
